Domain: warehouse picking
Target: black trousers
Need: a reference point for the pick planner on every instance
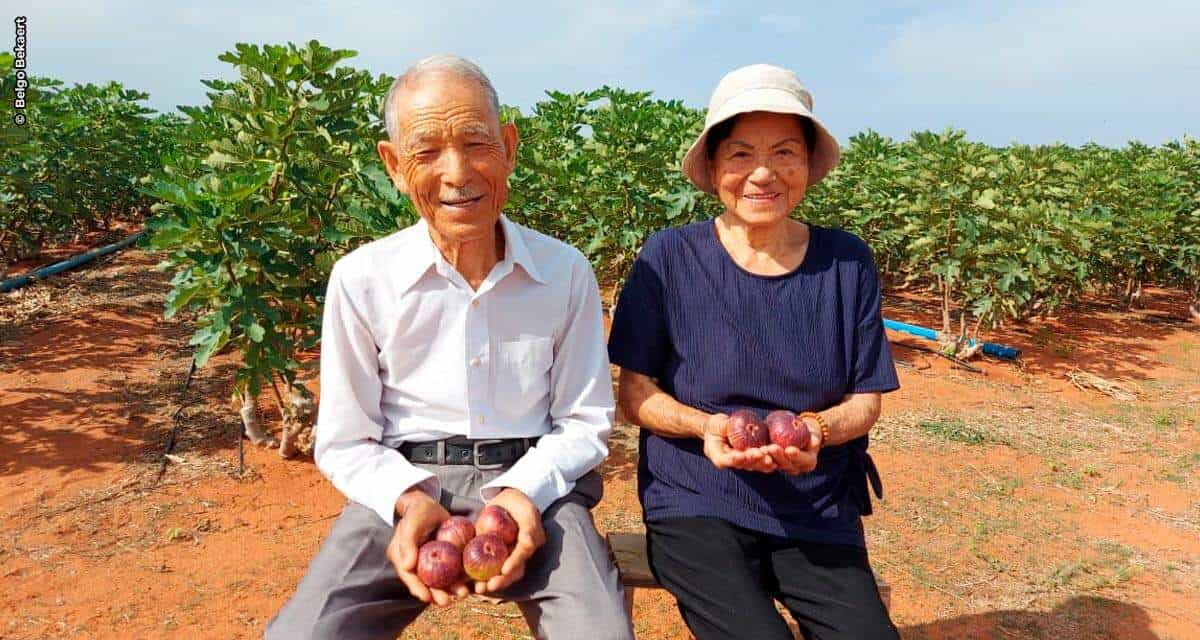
(726, 579)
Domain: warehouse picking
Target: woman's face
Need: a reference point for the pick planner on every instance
(761, 170)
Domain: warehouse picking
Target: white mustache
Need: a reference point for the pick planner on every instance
(461, 195)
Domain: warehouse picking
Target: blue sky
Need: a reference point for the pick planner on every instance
(1072, 71)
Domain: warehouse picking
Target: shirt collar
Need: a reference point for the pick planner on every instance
(424, 254)
(517, 251)
(415, 259)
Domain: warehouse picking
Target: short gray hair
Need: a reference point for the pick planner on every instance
(456, 65)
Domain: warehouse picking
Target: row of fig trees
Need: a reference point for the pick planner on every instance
(263, 187)
(598, 169)
(1006, 233)
(75, 162)
(276, 177)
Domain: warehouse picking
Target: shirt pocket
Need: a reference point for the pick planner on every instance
(523, 374)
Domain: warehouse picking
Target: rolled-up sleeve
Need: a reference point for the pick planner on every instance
(348, 449)
(581, 403)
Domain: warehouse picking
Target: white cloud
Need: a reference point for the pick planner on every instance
(1022, 69)
(527, 47)
(1004, 51)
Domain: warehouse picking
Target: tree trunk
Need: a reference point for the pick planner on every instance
(1194, 307)
(1133, 292)
(30, 247)
(297, 410)
(945, 304)
(1114, 286)
(254, 430)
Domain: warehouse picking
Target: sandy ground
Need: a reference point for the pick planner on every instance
(1017, 506)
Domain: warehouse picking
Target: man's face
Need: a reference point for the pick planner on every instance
(453, 158)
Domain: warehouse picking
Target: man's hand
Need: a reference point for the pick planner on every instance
(793, 460)
(723, 456)
(530, 536)
(419, 516)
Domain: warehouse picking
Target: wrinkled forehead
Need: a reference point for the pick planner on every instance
(437, 125)
(443, 104)
(766, 125)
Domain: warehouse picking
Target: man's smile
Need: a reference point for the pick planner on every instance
(462, 203)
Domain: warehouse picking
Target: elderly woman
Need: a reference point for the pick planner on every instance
(755, 310)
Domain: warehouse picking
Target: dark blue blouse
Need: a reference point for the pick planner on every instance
(719, 338)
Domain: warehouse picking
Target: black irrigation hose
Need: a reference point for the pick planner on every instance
(16, 282)
(170, 446)
(241, 448)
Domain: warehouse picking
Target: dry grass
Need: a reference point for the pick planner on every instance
(39, 301)
(1123, 391)
(1021, 491)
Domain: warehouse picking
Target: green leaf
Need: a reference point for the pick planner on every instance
(218, 159)
(986, 200)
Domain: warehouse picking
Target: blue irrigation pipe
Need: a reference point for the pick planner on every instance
(1000, 351)
(17, 282)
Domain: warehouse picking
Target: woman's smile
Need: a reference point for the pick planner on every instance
(759, 198)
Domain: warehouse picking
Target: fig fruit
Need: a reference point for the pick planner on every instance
(439, 564)
(787, 430)
(744, 431)
(484, 557)
(495, 519)
(457, 530)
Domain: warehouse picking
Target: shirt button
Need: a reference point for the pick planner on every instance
(481, 420)
(474, 362)
(474, 303)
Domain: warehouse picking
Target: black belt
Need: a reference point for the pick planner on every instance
(483, 454)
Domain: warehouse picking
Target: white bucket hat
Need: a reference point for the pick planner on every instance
(760, 87)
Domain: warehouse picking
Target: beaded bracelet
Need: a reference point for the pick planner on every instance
(820, 421)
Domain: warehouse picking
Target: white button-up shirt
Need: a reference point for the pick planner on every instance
(409, 352)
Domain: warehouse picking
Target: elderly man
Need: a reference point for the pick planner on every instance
(462, 364)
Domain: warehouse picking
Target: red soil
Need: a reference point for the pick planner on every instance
(90, 547)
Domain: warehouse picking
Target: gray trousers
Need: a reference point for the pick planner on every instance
(351, 591)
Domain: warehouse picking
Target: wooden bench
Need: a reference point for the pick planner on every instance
(628, 553)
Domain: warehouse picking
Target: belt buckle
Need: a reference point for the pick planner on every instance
(475, 455)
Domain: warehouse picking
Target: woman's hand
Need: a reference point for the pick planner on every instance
(723, 456)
